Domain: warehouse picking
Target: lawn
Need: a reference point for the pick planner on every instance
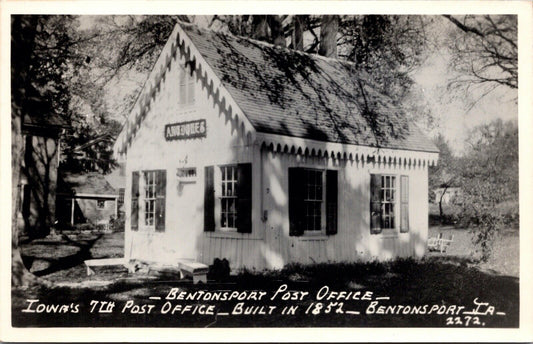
(445, 282)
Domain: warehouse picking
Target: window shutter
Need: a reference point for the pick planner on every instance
(161, 187)
(331, 201)
(190, 87)
(209, 199)
(404, 204)
(244, 198)
(183, 85)
(375, 203)
(296, 201)
(135, 201)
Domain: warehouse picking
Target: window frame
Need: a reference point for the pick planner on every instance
(220, 186)
(186, 85)
(142, 200)
(100, 204)
(394, 201)
(322, 229)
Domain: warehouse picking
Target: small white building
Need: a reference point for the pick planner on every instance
(265, 156)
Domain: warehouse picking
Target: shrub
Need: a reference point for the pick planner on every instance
(116, 224)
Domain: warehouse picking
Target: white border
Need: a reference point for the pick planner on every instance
(523, 9)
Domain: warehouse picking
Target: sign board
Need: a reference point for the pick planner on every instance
(185, 130)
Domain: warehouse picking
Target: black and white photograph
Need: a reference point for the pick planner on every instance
(338, 170)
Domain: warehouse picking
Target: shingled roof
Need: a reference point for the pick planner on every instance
(287, 92)
(88, 183)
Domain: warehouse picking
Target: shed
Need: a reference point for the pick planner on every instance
(266, 156)
(85, 198)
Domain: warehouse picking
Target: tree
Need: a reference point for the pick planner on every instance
(37, 87)
(484, 52)
(488, 176)
(444, 174)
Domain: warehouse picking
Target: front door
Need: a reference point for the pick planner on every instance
(188, 214)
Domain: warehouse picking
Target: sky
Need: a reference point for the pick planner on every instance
(452, 112)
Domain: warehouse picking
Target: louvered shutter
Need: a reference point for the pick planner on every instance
(404, 204)
(375, 203)
(134, 201)
(331, 201)
(209, 199)
(161, 187)
(182, 85)
(296, 201)
(244, 198)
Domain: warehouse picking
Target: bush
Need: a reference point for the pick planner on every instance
(117, 224)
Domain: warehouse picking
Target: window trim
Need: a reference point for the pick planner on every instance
(218, 198)
(395, 207)
(142, 202)
(186, 81)
(322, 230)
(390, 232)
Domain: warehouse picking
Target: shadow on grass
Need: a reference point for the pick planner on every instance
(66, 262)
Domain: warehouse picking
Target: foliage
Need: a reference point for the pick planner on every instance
(116, 224)
(49, 62)
(488, 175)
(484, 52)
(443, 175)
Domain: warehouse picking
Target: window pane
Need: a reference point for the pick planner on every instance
(223, 221)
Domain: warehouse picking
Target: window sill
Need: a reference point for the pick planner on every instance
(146, 230)
(232, 235)
(390, 234)
(310, 237)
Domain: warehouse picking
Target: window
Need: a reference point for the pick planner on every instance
(312, 201)
(148, 200)
(388, 201)
(385, 207)
(100, 204)
(186, 86)
(228, 197)
(121, 196)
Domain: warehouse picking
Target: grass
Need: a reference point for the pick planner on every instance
(444, 280)
(505, 258)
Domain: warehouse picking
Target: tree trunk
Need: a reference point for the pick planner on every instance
(328, 36)
(298, 32)
(441, 212)
(20, 276)
(23, 35)
(276, 30)
(260, 28)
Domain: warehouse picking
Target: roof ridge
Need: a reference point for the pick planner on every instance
(290, 50)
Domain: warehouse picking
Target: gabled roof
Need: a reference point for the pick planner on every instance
(286, 92)
(287, 100)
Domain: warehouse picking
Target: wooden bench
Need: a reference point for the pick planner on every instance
(439, 243)
(91, 263)
(197, 271)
